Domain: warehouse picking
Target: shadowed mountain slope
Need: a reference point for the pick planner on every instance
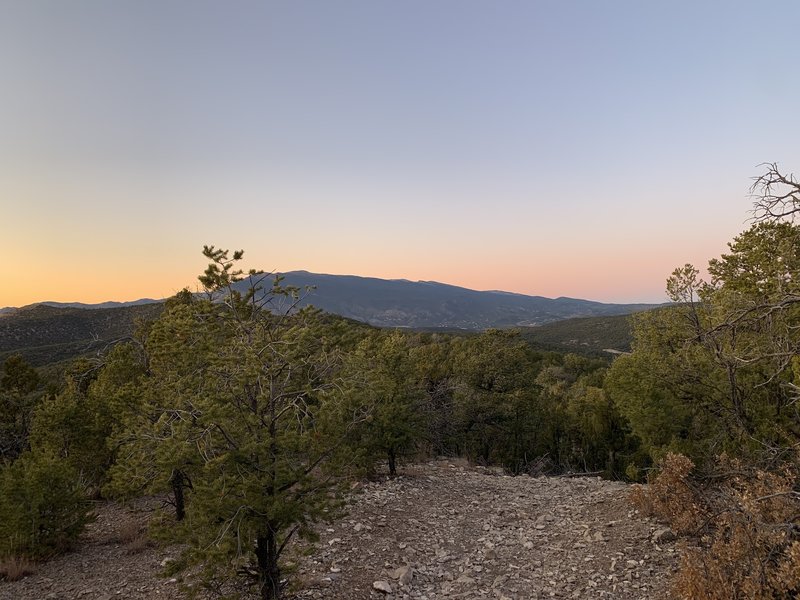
(428, 304)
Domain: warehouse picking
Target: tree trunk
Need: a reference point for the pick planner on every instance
(269, 574)
(392, 463)
(178, 482)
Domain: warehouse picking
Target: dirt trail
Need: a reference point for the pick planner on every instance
(442, 530)
(454, 532)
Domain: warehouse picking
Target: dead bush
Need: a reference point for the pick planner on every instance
(129, 531)
(746, 523)
(672, 496)
(137, 545)
(133, 537)
(13, 568)
(753, 548)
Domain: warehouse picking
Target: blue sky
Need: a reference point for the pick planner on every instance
(553, 148)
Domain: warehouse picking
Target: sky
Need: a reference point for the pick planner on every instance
(555, 148)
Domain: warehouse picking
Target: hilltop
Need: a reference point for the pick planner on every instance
(46, 334)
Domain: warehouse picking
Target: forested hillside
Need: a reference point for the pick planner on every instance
(45, 334)
(49, 332)
(597, 336)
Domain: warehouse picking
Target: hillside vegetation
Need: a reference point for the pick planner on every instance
(50, 333)
(585, 335)
(44, 334)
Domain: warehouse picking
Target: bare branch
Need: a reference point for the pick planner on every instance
(775, 195)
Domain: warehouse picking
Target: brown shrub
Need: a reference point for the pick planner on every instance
(129, 531)
(133, 537)
(137, 545)
(672, 496)
(749, 524)
(752, 551)
(13, 568)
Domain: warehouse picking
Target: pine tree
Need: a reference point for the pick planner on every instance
(241, 408)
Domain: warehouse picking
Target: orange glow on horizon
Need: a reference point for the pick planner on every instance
(608, 277)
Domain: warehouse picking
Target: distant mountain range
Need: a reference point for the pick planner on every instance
(417, 304)
(111, 304)
(47, 332)
(428, 304)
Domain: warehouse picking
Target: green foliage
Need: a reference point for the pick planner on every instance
(43, 508)
(432, 361)
(582, 428)
(715, 372)
(385, 386)
(651, 387)
(591, 336)
(77, 424)
(495, 404)
(239, 410)
(762, 265)
(19, 395)
(70, 427)
(151, 456)
(600, 436)
(18, 376)
(716, 377)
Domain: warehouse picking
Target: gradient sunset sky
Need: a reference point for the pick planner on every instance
(557, 148)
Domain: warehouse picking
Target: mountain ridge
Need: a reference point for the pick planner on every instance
(426, 304)
(85, 305)
(47, 332)
(415, 304)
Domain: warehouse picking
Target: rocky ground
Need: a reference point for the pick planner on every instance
(114, 559)
(442, 530)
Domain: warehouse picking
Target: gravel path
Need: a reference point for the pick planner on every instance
(454, 532)
(442, 530)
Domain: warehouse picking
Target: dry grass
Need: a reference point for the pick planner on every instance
(132, 536)
(13, 568)
(129, 531)
(137, 545)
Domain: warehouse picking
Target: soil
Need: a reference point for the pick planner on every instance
(441, 530)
